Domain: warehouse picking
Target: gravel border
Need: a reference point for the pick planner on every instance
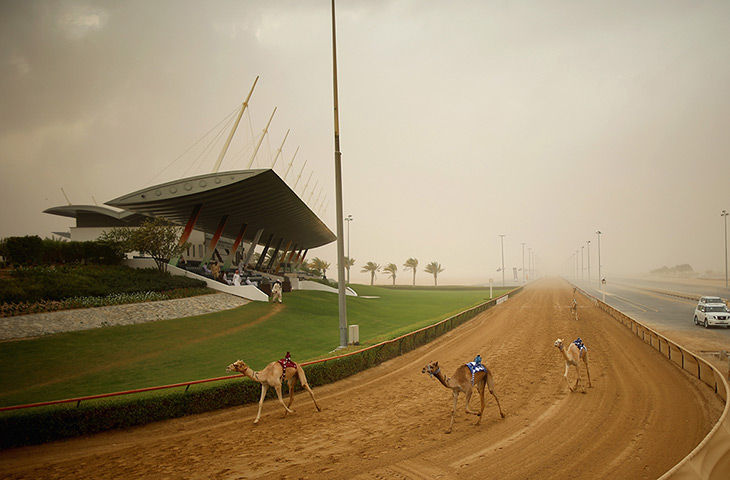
(38, 324)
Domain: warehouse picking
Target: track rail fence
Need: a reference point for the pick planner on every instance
(710, 460)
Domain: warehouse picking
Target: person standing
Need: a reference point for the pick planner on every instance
(215, 270)
(236, 279)
(276, 292)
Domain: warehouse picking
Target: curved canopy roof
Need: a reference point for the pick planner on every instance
(96, 216)
(257, 198)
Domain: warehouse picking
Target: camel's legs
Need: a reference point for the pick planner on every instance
(305, 385)
(453, 411)
(565, 375)
(588, 372)
(577, 377)
(291, 382)
(468, 400)
(281, 400)
(490, 385)
(480, 387)
(264, 389)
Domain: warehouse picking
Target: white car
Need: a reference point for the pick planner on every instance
(710, 300)
(712, 314)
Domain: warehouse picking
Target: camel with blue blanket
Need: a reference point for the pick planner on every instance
(463, 380)
(573, 354)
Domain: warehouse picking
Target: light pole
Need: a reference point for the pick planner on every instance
(523, 263)
(582, 269)
(600, 279)
(501, 238)
(725, 214)
(588, 242)
(341, 291)
(348, 219)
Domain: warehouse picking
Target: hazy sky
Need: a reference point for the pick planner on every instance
(460, 120)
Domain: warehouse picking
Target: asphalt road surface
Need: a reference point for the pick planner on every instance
(669, 315)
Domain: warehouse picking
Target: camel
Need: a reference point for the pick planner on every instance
(574, 308)
(272, 376)
(573, 355)
(463, 381)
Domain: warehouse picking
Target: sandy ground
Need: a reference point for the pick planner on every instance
(642, 416)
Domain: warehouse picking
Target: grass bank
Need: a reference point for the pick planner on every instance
(119, 358)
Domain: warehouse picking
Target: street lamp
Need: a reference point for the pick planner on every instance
(348, 219)
(588, 242)
(501, 238)
(725, 214)
(523, 263)
(600, 279)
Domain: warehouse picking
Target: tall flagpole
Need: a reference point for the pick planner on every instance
(341, 292)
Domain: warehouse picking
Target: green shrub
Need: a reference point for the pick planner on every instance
(44, 285)
(23, 250)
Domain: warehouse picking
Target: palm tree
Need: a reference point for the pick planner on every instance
(392, 269)
(349, 262)
(319, 265)
(412, 264)
(371, 267)
(434, 268)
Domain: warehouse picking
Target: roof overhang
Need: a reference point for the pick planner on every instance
(96, 216)
(258, 199)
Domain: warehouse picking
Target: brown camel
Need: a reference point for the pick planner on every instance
(463, 381)
(573, 354)
(272, 376)
(574, 308)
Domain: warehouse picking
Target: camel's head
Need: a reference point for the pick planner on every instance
(432, 368)
(559, 343)
(237, 366)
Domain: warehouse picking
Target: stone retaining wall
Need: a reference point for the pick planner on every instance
(38, 324)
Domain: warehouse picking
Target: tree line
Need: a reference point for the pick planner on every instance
(320, 266)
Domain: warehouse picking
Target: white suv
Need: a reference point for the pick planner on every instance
(712, 314)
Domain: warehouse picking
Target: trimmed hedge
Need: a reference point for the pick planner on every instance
(31, 250)
(44, 424)
(44, 283)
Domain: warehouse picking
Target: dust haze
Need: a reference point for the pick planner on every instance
(460, 121)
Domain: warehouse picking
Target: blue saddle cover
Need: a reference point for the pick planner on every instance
(476, 366)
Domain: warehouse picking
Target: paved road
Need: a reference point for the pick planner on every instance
(669, 315)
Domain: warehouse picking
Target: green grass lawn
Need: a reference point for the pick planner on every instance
(119, 358)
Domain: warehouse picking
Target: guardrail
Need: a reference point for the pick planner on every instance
(458, 319)
(710, 459)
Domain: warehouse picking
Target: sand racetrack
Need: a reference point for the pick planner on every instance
(642, 416)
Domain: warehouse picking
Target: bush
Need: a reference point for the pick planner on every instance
(23, 250)
(31, 285)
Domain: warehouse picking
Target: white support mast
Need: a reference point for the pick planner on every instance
(233, 130)
(306, 185)
(263, 134)
(300, 175)
(291, 163)
(278, 152)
